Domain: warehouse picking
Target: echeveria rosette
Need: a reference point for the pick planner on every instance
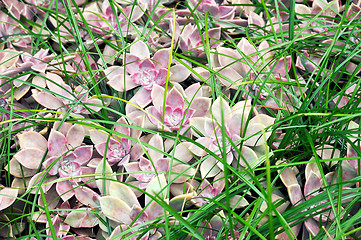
(327, 11)
(195, 97)
(257, 57)
(190, 40)
(78, 217)
(103, 20)
(145, 170)
(10, 29)
(38, 62)
(176, 115)
(33, 148)
(79, 64)
(255, 64)
(118, 149)
(140, 70)
(65, 163)
(235, 120)
(121, 204)
(197, 193)
(313, 186)
(69, 166)
(206, 191)
(223, 15)
(64, 96)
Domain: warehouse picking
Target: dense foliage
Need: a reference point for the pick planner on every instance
(180, 119)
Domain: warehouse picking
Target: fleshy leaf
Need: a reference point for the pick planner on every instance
(157, 186)
(56, 143)
(75, 135)
(123, 192)
(30, 157)
(81, 218)
(209, 167)
(248, 155)
(19, 171)
(179, 201)
(7, 197)
(103, 173)
(115, 209)
(181, 173)
(32, 139)
(295, 194)
(65, 190)
(157, 142)
(312, 184)
(47, 100)
(220, 107)
(183, 153)
(140, 49)
(255, 136)
(86, 196)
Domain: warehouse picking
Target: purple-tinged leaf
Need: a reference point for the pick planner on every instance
(47, 100)
(7, 197)
(81, 218)
(295, 194)
(312, 185)
(155, 210)
(209, 167)
(56, 143)
(140, 49)
(181, 173)
(182, 153)
(32, 139)
(75, 135)
(65, 190)
(19, 171)
(312, 226)
(30, 157)
(221, 108)
(157, 142)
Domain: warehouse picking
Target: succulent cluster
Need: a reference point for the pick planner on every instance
(135, 118)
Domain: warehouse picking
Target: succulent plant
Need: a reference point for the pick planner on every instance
(313, 186)
(235, 120)
(61, 95)
(103, 20)
(143, 71)
(174, 115)
(224, 15)
(117, 149)
(122, 206)
(191, 41)
(10, 28)
(326, 10)
(7, 197)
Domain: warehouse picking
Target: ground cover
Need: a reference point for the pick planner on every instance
(180, 119)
